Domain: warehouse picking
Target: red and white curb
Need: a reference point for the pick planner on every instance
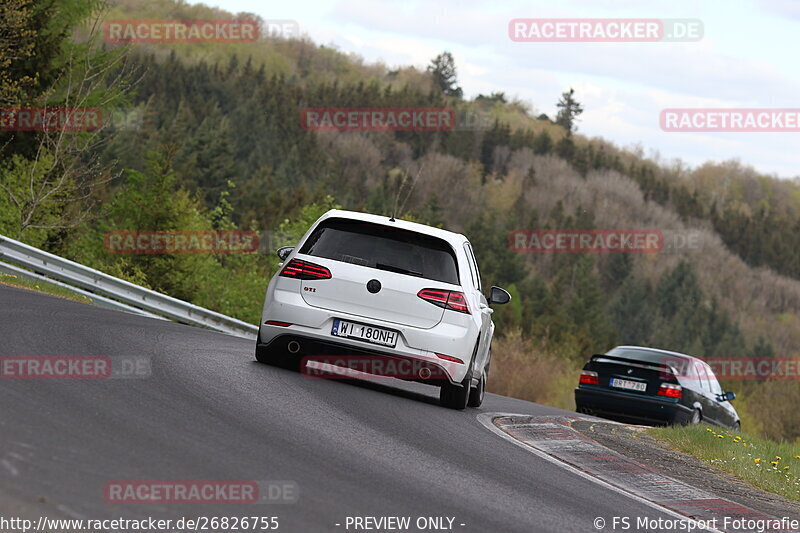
(553, 438)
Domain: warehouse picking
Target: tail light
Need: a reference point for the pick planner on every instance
(589, 378)
(299, 269)
(449, 358)
(670, 391)
(453, 300)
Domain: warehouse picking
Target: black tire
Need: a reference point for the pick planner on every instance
(476, 395)
(737, 427)
(276, 358)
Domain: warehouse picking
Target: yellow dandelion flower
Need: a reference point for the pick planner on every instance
(720, 436)
(37, 286)
(778, 457)
(786, 468)
(756, 460)
(774, 463)
(797, 456)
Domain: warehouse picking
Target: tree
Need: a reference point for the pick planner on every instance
(443, 70)
(568, 110)
(49, 176)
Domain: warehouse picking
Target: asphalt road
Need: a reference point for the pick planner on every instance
(210, 412)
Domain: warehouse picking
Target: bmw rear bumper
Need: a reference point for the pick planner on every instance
(631, 408)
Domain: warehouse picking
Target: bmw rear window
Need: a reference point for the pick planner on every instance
(384, 248)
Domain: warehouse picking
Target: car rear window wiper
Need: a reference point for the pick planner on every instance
(399, 270)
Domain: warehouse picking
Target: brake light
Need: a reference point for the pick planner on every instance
(453, 300)
(449, 358)
(589, 378)
(299, 269)
(670, 391)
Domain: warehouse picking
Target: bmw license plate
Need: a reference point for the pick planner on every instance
(363, 332)
(627, 384)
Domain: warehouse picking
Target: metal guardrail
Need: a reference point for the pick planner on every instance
(77, 275)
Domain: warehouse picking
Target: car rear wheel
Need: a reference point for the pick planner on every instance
(476, 395)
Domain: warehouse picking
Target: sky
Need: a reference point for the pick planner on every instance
(747, 58)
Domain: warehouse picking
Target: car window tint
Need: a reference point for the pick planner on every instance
(701, 372)
(716, 388)
(371, 245)
(473, 266)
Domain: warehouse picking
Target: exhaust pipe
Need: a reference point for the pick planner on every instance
(424, 373)
(293, 346)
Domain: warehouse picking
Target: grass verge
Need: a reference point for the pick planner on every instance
(761, 463)
(42, 286)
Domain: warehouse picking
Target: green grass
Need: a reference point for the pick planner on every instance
(761, 463)
(42, 286)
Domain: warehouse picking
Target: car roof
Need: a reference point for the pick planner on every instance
(454, 239)
(658, 351)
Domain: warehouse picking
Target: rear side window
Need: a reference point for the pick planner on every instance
(383, 248)
(701, 371)
(473, 266)
(716, 388)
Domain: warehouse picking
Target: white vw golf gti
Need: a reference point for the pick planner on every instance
(361, 285)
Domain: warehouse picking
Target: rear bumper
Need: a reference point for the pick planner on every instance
(343, 354)
(630, 407)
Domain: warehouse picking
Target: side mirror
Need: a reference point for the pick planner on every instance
(284, 251)
(729, 396)
(499, 296)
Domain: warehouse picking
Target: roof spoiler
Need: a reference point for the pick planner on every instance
(664, 366)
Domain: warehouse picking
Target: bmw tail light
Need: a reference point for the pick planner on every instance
(589, 378)
(299, 269)
(670, 390)
(453, 300)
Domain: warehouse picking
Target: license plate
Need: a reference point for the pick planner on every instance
(363, 332)
(630, 385)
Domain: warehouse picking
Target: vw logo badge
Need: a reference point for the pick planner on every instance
(373, 286)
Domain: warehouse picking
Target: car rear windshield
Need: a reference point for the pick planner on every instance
(384, 248)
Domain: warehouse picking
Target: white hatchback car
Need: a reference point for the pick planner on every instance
(368, 286)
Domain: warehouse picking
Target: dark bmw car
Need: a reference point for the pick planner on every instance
(649, 386)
